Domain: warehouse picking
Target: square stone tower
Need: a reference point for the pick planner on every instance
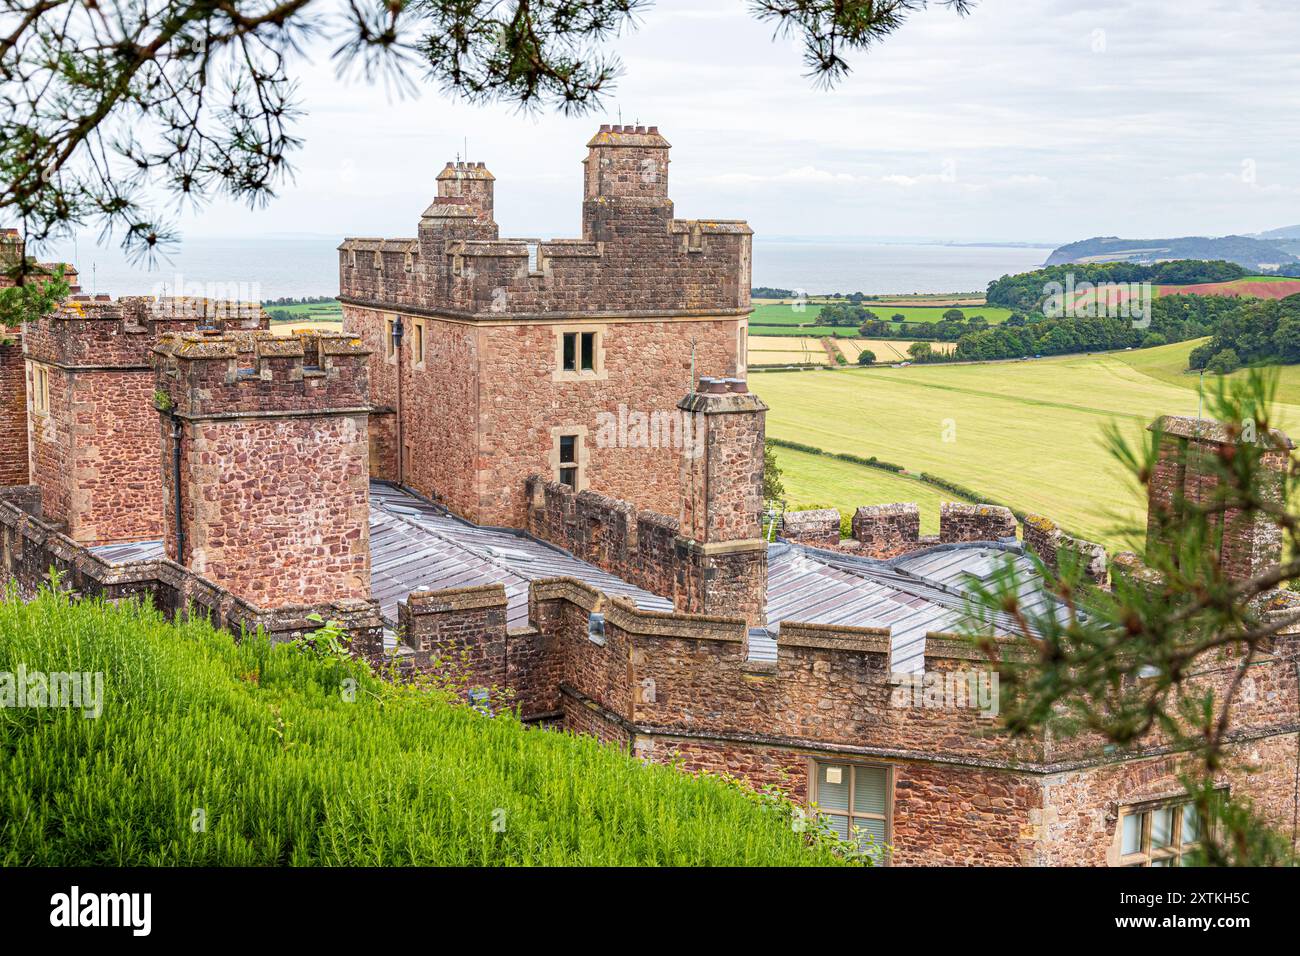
(93, 433)
(721, 503)
(1184, 476)
(494, 359)
(264, 460)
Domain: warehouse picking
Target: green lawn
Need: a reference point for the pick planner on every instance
(1029, 434)
(208, 752)
(821, 480)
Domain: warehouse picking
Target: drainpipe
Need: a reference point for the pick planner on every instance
(398, 331)
(176, 488)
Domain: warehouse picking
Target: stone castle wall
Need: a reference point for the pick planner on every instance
(274, 482)
(95, 451)
(1185, 477)
(13, 410)
(680, 689)
(30, 548)
(667, 298)
(483, 411)
(963, 522)
(1042, 537)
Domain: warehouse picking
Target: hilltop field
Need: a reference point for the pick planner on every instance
(1027, 434)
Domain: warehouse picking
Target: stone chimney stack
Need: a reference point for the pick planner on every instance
(12, 250)
(264, 460)
(1185, 475)
(722, 500)
(625, 182)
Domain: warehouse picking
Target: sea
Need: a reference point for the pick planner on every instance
(267, 269)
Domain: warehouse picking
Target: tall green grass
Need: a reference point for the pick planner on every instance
(285, 770)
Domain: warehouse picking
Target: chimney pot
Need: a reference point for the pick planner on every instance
(640, 129)
(604, 127)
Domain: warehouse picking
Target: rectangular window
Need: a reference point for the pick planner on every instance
(40, 389)
(569, 460)
(855, 799)
(570, 352)
(417, 343)
(1159, 835)
(579, 354)
(388, 338)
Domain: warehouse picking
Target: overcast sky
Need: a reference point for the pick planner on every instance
(1043, 120)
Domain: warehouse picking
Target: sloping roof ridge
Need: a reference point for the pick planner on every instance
(482, 555)
(883, 572)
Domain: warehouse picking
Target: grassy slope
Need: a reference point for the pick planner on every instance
(1027, 433)
(819, 480)
(289, 772)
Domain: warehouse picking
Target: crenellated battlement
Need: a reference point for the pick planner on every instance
(633, 257)
(102, 332)
(219, 374)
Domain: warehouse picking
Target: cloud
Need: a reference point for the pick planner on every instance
(1123, 116)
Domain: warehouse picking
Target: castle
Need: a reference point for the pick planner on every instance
(451, 479)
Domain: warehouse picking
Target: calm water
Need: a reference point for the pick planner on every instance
(258, 269)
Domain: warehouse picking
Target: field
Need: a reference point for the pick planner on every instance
(208, 752)
(820, 480)
(784, 314)
(1260, 287)
(289, 328)
(808, 349)
(1029, 434)
(314, 311)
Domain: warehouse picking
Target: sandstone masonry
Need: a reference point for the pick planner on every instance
(93, 431)
(495, 359)
(264, 448)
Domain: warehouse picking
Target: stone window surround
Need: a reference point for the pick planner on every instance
(814, 763)
(597, 374)
(1147, 853)
(419, 343)
(390, 353)
(582, 455)
(40, 389)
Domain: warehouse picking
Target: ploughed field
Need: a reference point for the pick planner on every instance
(1027, 434)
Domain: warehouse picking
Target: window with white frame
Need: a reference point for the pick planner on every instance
(854, 798)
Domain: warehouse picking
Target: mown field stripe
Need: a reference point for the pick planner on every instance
(1024, 400)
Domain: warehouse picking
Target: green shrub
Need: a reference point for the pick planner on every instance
(210, 751)
(1223, 362)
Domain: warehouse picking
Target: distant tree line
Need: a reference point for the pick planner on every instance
(1026, 291)
(1256, 332)
(1174, 319)
(309, 300)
